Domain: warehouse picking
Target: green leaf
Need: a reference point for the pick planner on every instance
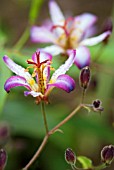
(85, 162)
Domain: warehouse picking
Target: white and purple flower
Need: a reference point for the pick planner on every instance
(39, 84)
(67, 34)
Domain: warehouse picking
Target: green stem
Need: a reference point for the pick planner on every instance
(73, 167)
(37, 152)
(100, 167)
(50, 133)
(99, 53)
(83, 96)
(65, 120)
(44, 116)
(33, 13)
(22, 39)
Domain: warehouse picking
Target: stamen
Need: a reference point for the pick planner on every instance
(64, 27)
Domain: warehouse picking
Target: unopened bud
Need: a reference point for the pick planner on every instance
(3, 159)
(107, 154)
(85, 77)
(70, 156)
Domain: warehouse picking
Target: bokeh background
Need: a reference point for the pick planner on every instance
(21, 122)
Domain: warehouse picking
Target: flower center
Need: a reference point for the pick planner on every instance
(38, 72)
(64, 40)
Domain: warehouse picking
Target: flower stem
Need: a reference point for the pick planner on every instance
(37, 152)
(50, 133)
(44, 116)
(33, 13)
(22, 39)
(99, 53)
(83, 96)
(65, 120)
(100, 167)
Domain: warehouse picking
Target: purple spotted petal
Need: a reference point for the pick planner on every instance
(43, 56)
(33, 93)
(53, 50)
(41, 34)
(96, 40)
(15, 81)
(82, 58)
(64, 82)
(65, 67)
(15, 68)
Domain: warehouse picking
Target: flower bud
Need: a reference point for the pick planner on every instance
(70, 156)
(3, 159)
(85, 77)
(107, 154)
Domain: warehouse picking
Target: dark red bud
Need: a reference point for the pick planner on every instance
(107, 154)
(85, 77)
(3, 159)
(70, 156)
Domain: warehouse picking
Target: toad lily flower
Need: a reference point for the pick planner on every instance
(67, 34)
(39, 84)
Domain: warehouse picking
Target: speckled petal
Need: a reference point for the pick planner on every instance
(82, 58)
(64, 82)
(15, 81)
(41, 34)
(95, 40)
(33, 93)
(15, 68)
(65, 67)
(53, 50)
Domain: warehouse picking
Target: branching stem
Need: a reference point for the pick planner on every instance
(48, 133)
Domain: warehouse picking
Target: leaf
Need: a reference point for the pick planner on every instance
(85, 162)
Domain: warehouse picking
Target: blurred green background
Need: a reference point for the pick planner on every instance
(86, 133)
